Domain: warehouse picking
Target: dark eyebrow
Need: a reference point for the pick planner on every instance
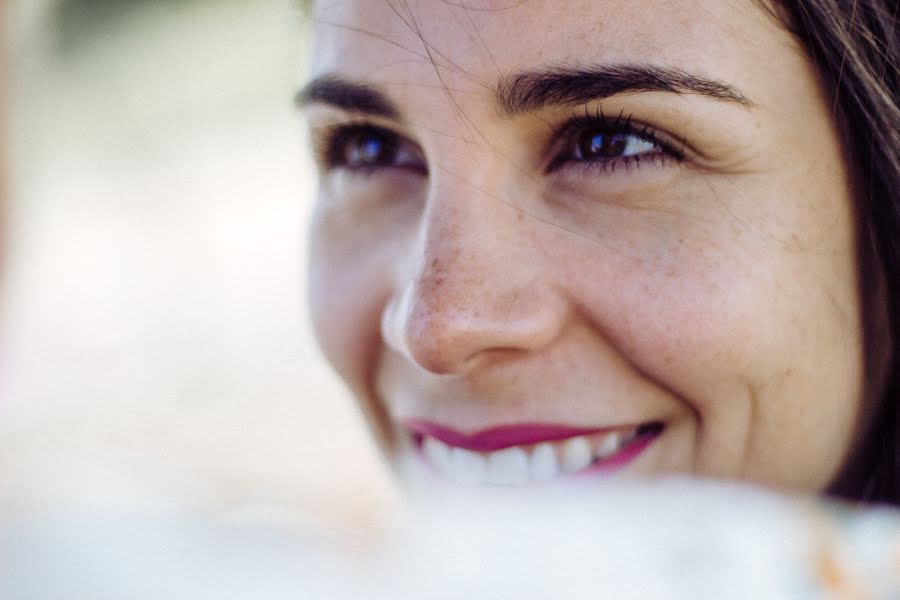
(568, 86)
(347, 95)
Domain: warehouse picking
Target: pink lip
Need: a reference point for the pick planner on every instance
(497, 438)
(623, 457)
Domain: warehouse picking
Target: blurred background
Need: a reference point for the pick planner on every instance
(156, 354)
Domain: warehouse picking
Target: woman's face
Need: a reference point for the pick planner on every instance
(560, 240)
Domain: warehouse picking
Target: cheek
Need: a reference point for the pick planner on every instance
(752, 322)
(355, 252)
(348, 288)
(346, 296)
(683, 312)
(724, 278)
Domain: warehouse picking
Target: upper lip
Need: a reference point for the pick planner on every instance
(503, 436)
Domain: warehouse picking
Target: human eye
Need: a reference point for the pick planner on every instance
(365, 149)
(602, 145)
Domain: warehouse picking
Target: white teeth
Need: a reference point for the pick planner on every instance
(576, 454)
(610, 445)
(508, 467)
(544, 464)
(467, 467)
(438, 454)
(518, 465)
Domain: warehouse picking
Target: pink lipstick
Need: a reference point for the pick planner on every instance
(516, 454)
(497, 438)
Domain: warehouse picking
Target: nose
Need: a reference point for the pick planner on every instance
(477, 289)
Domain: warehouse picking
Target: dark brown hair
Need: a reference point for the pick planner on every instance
(856, 47)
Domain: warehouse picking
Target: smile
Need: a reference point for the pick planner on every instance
(521, 454)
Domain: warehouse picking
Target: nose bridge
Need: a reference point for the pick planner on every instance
(465, 229)
(476, 286)
(467, 214)
(457, 260)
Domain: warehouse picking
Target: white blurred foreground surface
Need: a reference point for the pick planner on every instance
(669, 541)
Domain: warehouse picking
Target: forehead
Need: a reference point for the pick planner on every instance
(473, 43)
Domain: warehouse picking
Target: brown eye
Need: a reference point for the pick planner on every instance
(599, 145)
(367, 149)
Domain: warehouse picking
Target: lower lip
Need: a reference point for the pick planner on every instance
(621, 459)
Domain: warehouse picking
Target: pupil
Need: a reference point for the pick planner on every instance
(370, 149)
(603, 145)
(367, 149)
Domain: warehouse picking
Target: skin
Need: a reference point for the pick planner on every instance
(717, 294)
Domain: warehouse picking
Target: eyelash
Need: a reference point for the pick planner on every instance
(331, 145)
(567, 136)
